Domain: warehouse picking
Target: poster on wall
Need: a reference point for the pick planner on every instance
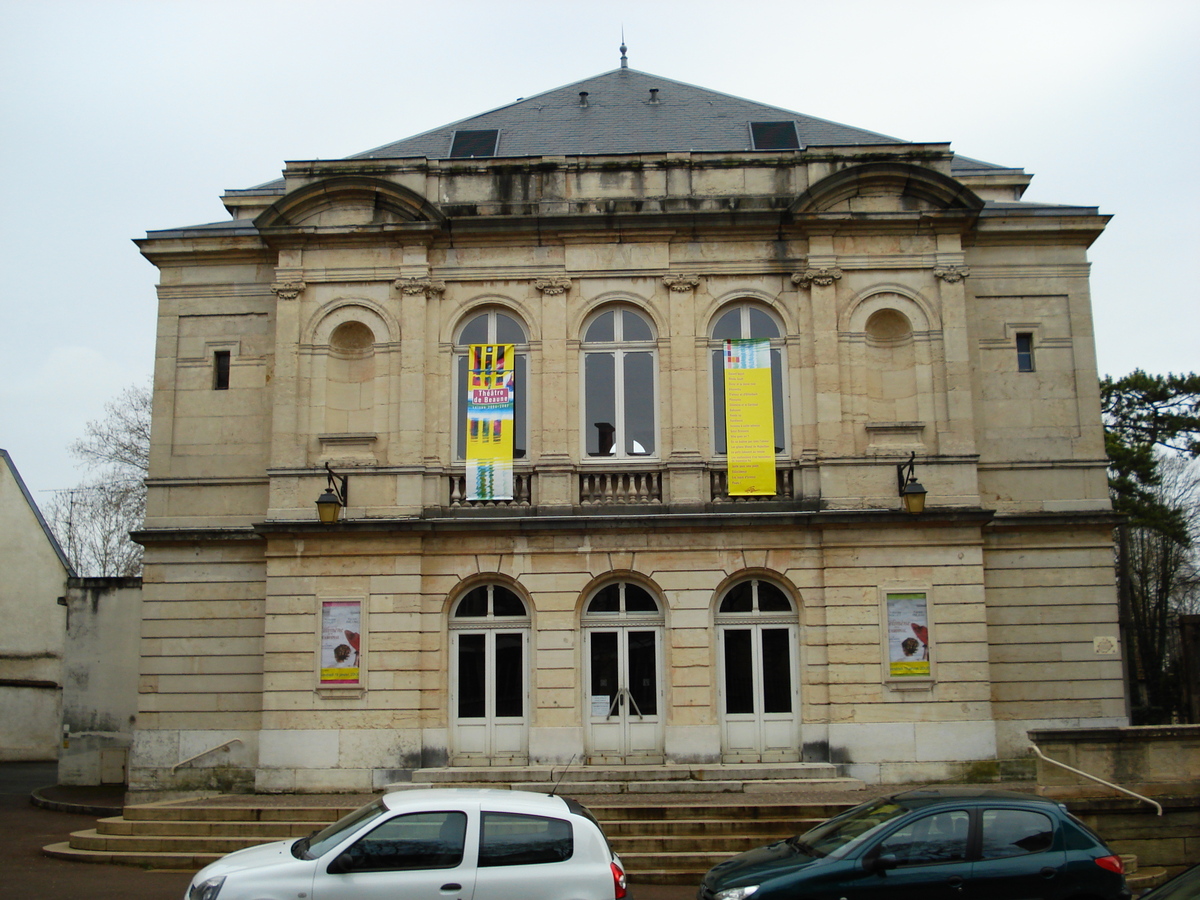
(908, 636)
(749, 418)
(341, 640)
(490, 421)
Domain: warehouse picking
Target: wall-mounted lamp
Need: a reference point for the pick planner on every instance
(330, 503)
(911, 490)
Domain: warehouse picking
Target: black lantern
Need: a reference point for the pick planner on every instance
(331, 503)
(911, 491)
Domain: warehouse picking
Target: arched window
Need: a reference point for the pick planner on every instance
(740, 322)
(492, 327)
(620, 401)
(489, 643)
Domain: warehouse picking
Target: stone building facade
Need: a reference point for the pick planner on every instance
(31, 643)
(623, 607)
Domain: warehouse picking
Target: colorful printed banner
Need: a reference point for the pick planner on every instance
(490, 403)
(341, 640)
(749, 418)
(908, 636)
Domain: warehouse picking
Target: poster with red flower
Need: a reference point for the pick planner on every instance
(341, 627)
(908, 635)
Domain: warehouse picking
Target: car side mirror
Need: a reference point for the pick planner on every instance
(885, 862)
(342, 864)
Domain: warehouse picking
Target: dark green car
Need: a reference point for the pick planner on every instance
(931, 844)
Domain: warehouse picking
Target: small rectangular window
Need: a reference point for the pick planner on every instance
(221, 370)
(474, 143)
(1024, 352)
(774, 136)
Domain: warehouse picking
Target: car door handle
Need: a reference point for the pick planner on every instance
(956, 882)
(1049, 872)
(451, 887)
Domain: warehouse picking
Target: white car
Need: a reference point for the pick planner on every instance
(451, 844)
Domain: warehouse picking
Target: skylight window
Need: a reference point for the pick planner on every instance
(774, 136)
(474, 143)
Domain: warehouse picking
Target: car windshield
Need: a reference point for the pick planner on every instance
(320, 841)
(840, 833)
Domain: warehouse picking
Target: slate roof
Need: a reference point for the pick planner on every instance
(621, 117)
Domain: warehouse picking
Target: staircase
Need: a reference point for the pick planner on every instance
(669, 824)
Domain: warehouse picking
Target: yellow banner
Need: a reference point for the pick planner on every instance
(490, 421)
(749, 418)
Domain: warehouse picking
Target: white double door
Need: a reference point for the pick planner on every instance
(759, 697)
(624, 700)
(490, 696)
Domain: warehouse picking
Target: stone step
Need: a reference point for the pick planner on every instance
(258, 831)
(625, 786)
(763, 828)
(184, 862)
(577, 775)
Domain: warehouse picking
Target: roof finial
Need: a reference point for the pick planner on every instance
(624, 60)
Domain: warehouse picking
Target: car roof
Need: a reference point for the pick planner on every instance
(497, 798)
(967, 795)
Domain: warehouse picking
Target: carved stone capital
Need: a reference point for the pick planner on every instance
(553, 286)
(951, 274)
(681, 284)
(426, 286)
(822, 277)
(288, 290)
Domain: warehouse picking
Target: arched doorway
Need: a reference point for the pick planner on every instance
(759, 702)
(489, 684)
(623, 627)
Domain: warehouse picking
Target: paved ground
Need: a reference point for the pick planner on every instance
(26, 872)
(25, 829)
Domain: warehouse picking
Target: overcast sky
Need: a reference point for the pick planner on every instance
(122, 117)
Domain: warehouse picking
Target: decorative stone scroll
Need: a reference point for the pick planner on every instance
(426, 286)
(681, 284)
(821, 277)
(951, 274)
(289, 290)
(553, 286)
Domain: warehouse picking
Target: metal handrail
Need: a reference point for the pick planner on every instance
(225, 746)
(1109, 784)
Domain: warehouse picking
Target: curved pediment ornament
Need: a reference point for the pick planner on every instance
(820, 277)
(681, 284)
(920, 186)
(288, 290)
(553, 286)
(348, 201)
(951, 274)
(426, 286)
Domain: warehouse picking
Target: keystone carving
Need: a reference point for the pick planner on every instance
(951, 274)
(288, 290)
(822, 277)
(681, 284)
(553, 286)
(426, 286)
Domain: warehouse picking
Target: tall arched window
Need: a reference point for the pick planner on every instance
(620, 396)
(492, 327)
(740, 322)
